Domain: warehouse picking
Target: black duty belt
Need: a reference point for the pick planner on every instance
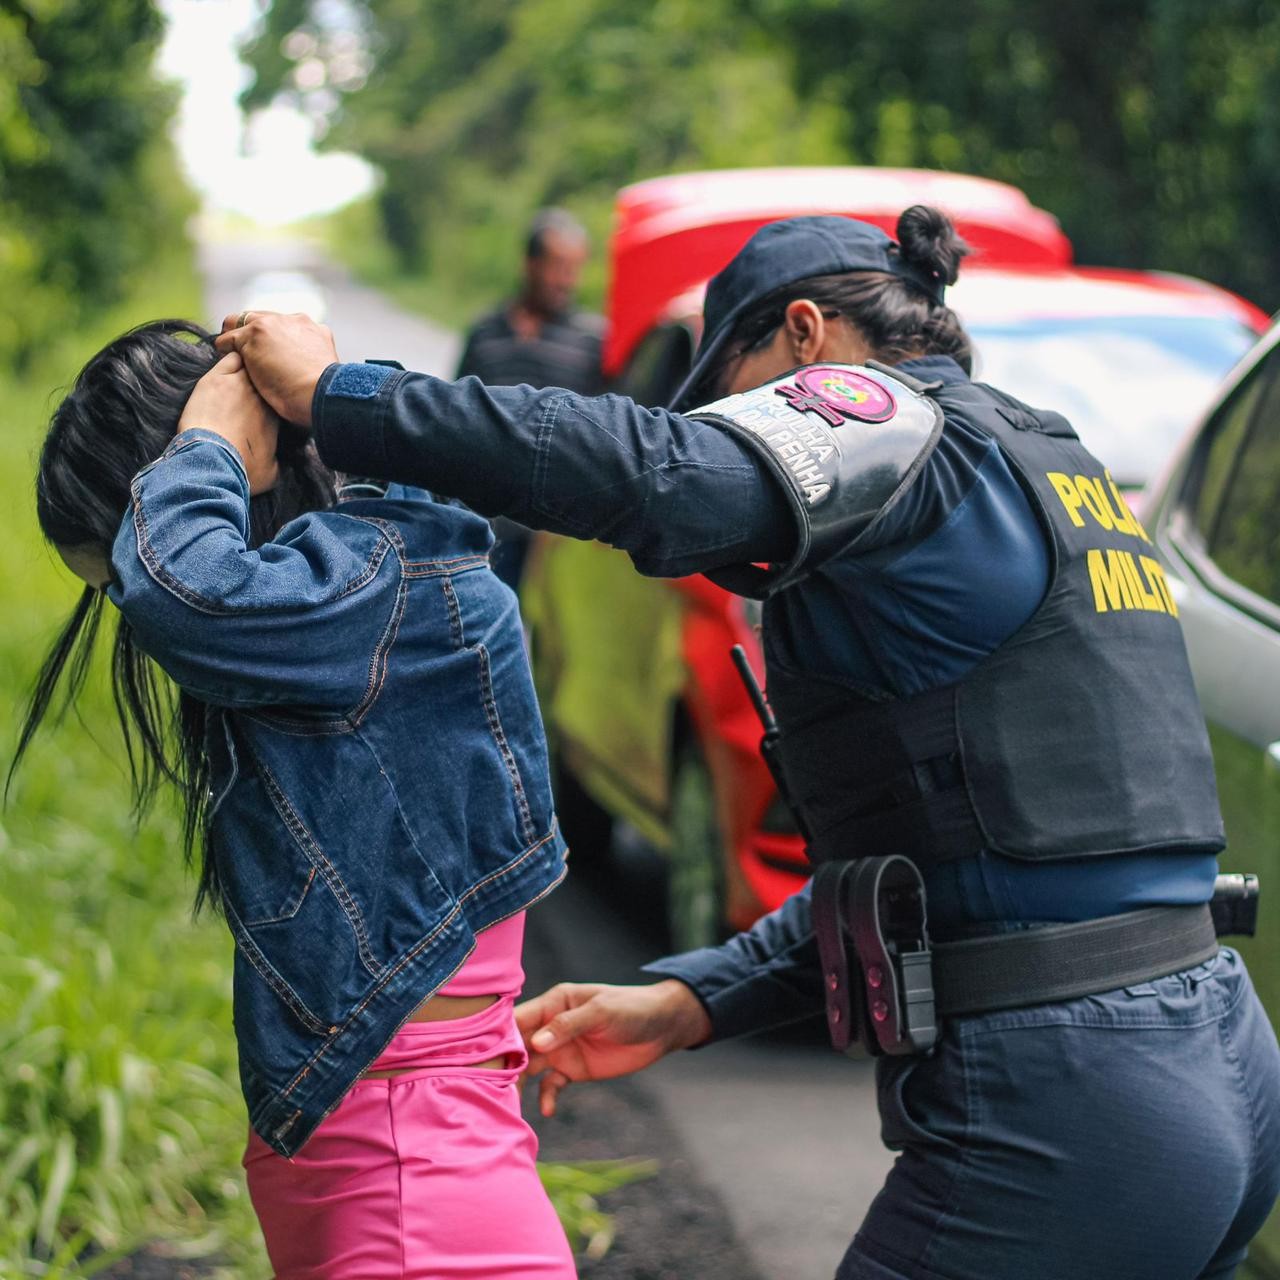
(887, 985)
(1064, 962)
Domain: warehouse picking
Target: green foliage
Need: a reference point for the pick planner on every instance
(1147, 127)
(574, 1190)
(89, 188)
(120, 1119)
(479, 114)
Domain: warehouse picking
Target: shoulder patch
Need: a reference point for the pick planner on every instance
(843, 439)
(835, 394)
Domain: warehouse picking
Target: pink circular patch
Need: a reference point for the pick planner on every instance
(852, 394)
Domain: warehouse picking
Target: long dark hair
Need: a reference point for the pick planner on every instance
(897, 317)
(120, 415)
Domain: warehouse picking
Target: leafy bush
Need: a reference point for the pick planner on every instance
(89, 185)
(120, 1118)
(574, 1188)
(1147, 127)
(478, 114)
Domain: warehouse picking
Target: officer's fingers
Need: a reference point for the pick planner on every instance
(569, 1061)
(549, 1089)
(231, 340)
(567, 1026)
(232, 362)
(242, 319)
(531, 1014)
(238, 329)
(534, 1014)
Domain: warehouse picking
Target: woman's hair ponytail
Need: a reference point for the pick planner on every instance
(928, 240)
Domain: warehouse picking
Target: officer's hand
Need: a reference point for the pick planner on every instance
(285, 356)
(580, 1031)
(225, 402)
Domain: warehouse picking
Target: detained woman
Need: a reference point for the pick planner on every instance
(336, 683)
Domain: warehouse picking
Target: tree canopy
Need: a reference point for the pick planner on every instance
(89, 187)
(478, 114)
(1147, 126)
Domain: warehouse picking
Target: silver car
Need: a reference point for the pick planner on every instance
(1215, 519)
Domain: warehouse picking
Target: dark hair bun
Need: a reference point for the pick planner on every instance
(928, 240)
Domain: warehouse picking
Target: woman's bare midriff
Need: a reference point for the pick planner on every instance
(443, 1009)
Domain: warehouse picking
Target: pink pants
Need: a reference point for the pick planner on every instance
(425, 1176)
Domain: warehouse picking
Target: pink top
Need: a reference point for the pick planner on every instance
(493, 968)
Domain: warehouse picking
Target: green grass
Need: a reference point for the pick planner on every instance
(574, 1189)
(120, 1117)
(121, 1121)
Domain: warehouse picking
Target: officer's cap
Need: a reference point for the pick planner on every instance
(782, 253)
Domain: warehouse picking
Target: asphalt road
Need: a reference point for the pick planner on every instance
(365, 325)
(782, 1130)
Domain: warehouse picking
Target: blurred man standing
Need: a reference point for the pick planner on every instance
(538, 339)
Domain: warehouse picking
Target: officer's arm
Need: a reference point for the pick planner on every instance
(765, 977)
(680, 496)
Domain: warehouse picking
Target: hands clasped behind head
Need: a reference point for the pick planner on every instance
(225, 402)
(284, 357)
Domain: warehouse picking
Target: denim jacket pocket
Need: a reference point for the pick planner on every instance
(325, 885)
(293, 917)
(489, 705)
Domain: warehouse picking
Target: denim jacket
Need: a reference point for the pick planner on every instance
(379, 788)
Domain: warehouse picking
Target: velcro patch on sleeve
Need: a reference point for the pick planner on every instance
(358, 381)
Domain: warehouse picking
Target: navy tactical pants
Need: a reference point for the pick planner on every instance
(1128, 1136)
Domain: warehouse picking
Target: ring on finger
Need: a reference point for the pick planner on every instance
(242, 319)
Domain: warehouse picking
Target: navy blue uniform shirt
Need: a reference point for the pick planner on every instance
(956, 568)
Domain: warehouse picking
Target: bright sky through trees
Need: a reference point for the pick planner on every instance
(269, 171)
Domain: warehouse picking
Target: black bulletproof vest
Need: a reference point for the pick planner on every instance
(1081, 735)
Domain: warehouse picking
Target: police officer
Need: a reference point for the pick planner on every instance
(975, 663)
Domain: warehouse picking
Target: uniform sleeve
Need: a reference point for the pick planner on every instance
(765, 977)
(951, 474)
(679, 496)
